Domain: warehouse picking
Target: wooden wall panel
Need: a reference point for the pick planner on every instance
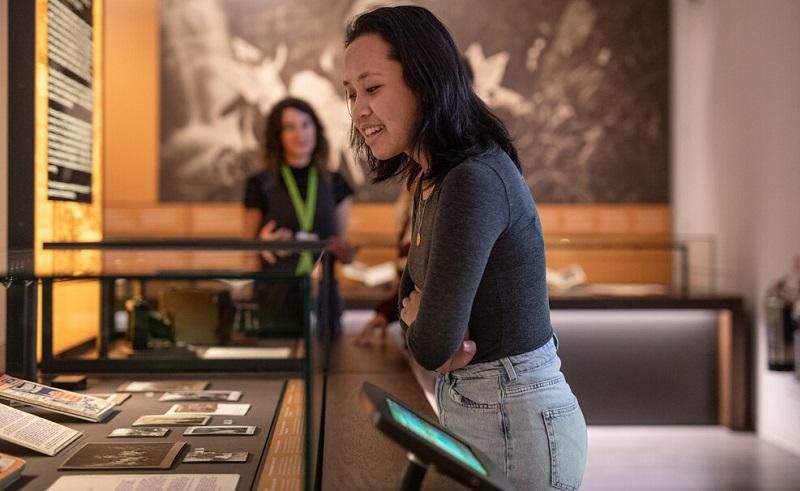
(131, 153)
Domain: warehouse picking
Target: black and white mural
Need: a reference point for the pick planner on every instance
(581, 84)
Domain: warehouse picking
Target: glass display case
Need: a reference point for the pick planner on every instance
(583, 266)
(631, 266)
(239, 314)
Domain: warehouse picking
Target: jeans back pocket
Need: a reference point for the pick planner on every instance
(566, 435)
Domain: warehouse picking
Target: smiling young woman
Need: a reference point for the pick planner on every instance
(474, 295)
(383, 108)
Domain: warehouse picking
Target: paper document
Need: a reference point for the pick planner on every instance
(225, 353)
(148, 482)
(34, 432)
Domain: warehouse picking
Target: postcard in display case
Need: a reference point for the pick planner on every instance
(34, 432)
(116, 397)
(201, 455)
(172, 420)
(141, 432)
(127, 456)
(201, 395)
(163, 386)
(226, 430)
(61, 401)
(211, 408)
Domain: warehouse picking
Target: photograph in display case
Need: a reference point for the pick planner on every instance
(219, 430)
(142, 432)
(171, 420)
(201, 395)
(201, 455)
(125, 456)
(211, 408)
(162, 386)
(116, 397)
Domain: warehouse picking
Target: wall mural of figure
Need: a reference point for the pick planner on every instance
(581, 84)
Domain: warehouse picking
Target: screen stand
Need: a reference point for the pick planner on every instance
(413, 474)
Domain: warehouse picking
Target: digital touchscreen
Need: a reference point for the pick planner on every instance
(435, 436)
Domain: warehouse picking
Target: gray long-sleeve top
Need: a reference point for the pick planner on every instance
(480, 265)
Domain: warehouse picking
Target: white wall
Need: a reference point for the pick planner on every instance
(736, 160)
(3, 169)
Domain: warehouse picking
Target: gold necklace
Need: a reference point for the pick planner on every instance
(421, 215)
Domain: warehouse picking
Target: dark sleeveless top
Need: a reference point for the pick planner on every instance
(267, 192)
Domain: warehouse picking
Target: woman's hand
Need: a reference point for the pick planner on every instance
(410, 307)
(268, 232)
(462, 357)
(467, 349)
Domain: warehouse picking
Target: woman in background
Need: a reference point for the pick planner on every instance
(296, 197)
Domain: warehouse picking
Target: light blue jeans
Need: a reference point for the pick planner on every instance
(522, 414)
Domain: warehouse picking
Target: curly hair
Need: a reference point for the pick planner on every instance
(273, 148)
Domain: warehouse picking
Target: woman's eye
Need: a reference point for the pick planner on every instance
(371, 90)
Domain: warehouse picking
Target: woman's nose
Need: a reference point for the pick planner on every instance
(360, 108)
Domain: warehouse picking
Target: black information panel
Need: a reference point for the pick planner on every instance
(70, 100)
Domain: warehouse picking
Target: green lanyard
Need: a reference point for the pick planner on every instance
(303, 210)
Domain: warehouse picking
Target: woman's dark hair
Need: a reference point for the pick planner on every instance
(453, 123)
(273, 148)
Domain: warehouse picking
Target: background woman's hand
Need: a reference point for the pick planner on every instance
(269, 232)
